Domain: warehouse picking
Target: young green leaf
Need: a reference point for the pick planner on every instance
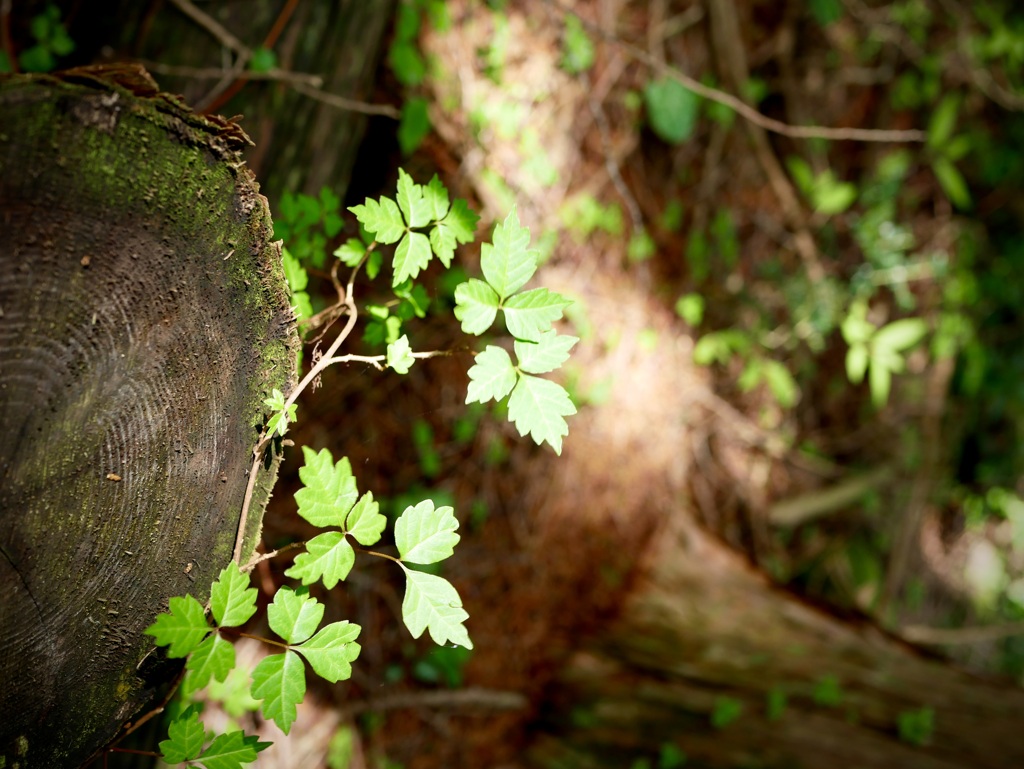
(900, 334)
(232, 599)
(351, 252)
(509, 262)
(185, 737)
(880, 382)
(182, 628)
(331, 651)
(281, 417)
(329, 491)
(537, 407)
(399, 355)
(432, 603)
(462, 220)
(531, 313)
(365, 522)
(546, 354)
(425, 535)
(492, 376)
(213, 657)
(294, 614)
(411, 202)
(382, 219)
(435, 196)
(442, 243)
(280, 681)
(232, 750)
(411, 256)
(476, 306)
(328, 557)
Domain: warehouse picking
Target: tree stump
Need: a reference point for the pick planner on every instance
(143, 319)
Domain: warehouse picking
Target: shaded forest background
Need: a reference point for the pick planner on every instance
(725, 272)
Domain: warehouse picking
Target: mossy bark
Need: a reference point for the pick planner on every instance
(143, 320)
(704, 633)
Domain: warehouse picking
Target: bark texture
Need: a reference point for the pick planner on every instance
(143, 320)
(702, 626)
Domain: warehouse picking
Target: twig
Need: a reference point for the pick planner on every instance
(743, 109)
(964, 635)
(212, 26)
(799, 510)
(492, 699)
(352, 105)
(213, 73)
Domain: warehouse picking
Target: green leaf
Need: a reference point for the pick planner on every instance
(411, 202)
(879, 382)
(425, 535)
(442, 242)
(432, 603)
(411, 256)
(578, 49)
(182, 628)
(280, 681)
(856, 362)
(407, 63)
(232, 599)
(461, 219)
(509, 262)
(232, 750)
(329, 491)
(413, 125)
(952, 182)
(546, 354)
(529, 314)
(476, 306)
(537, 407)
(294, 614)
(399, 355)
(943, 121)
(328, 556)
(294, 273)
(280, 419)
(185, 737)
(365, 522)
(900, 334)
(381, 219)
(671, 109)
(331, 651)
(351, 252)
(492, 376)
(832, 197)
(213, 657)
(435, 196)
(781, 383)
(262, 60)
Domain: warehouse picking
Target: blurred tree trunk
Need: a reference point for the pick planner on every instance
(704, 633)
(144, 319)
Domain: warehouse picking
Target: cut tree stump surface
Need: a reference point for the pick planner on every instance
(143, 320)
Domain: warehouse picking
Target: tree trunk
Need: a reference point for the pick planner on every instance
(703, 627)
(143, 320)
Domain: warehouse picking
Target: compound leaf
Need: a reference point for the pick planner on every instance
(232, 751)
(410, 201)
(329, 491)
(531, 313)
(182, 628)
(491, 376)
(280, 681)
(381, 218)
(509, 262)
(546, 354)
(537, 407)
(331, 651)
(328, 556)
(365, 522)
(411, 256)
(185, 737)
(425, 535)
(476, 306)
(432, 603)
(213, 657)
(232, 599)
(294, 614)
